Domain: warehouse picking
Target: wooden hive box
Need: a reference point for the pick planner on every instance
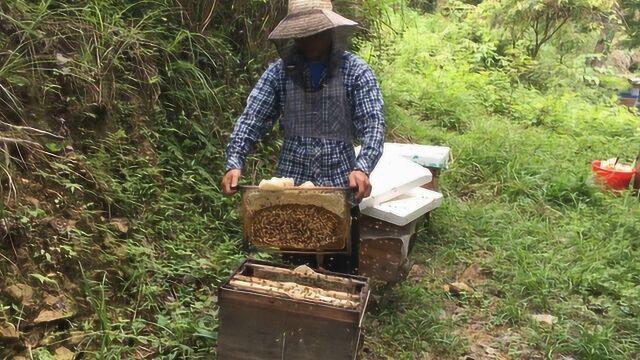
(262, 317)
(384, 249)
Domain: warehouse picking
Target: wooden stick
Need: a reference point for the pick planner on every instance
(270, 290)
(302, 288)
(304, 280)
(289, 294)
(323, 277)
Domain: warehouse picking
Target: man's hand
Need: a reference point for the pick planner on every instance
(359, 182)
(230, 181)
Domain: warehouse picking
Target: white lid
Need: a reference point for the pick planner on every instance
(406, 207)
(425, 155)
(393, 176)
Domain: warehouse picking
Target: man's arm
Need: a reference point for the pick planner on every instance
(258, 118)
(368, 120)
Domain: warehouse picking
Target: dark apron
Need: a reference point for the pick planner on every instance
(322, 113)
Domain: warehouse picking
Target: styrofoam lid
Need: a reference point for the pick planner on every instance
(425, 155)
(406, 207)
(393, 176)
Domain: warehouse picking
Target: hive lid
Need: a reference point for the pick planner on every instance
(393, 176)
(314, 220)
(407, 207)
(425, 155)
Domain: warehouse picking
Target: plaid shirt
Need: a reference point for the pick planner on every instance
(325, 162)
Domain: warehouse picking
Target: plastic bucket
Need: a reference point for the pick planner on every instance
(611, 179)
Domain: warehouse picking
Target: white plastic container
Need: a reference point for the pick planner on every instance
(406, 207)
(425, 155)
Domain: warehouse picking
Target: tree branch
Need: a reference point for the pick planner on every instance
(564, 21)
(536, 31)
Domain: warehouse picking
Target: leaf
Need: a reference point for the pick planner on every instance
(44, 280)
(162, 320)
(213, 335)
(54, 147)
(72, 187)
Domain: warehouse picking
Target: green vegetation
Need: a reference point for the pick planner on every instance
(521, 222)
(122, 218)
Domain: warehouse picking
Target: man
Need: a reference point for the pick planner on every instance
(323, 97)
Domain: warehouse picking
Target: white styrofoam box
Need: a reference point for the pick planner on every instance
(393, 176)
(406, 207)
(425, 155)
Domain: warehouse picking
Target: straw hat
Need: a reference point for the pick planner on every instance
(307, 17)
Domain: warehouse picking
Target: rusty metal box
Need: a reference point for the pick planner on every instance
(270, 311)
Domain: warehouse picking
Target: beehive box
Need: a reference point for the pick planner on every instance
(384, 249)
(297, 220)
(271, 311)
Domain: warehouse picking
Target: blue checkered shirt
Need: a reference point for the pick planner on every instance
(325, 162)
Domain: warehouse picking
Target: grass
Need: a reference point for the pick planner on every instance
(149, 106)
(145, 94)
(518, 206)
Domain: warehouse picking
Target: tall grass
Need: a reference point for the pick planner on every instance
(519, 203)
(144, 94)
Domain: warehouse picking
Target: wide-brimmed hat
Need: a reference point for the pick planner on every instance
(307, 17)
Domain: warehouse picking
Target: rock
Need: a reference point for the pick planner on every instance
(9, 332)
(457, 288)
(635, 60)
(120, 224)
(61, 59)
(50, 299)
(33, 201)
(620, 61)
(55, 302)
(20, 293)
(544, 318)
(75, 338)
(417, 272)
(62, 353)
(33, 338)
(47, 316)
(472, 274)
(61, 225)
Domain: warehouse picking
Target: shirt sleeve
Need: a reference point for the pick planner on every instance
(368, 120)
(257, 119)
